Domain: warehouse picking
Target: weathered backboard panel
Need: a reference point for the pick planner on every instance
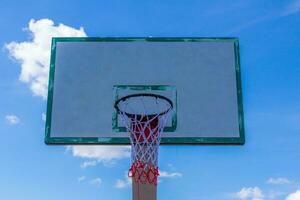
(200, 75)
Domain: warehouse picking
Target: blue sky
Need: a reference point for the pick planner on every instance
(266, 167)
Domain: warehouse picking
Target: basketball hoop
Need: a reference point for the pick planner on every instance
(145, 116)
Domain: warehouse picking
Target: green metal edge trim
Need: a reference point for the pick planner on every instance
(50, 92)
(174, 116)
(165, 141)
(239, 91)
(145, 87)
(149, 39)
(115, 125)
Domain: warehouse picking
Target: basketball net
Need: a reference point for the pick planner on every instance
(145, 135)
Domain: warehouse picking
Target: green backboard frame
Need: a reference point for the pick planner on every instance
(170, 140)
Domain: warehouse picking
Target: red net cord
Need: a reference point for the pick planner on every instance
(143, 173)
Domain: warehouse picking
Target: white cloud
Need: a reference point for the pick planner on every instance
(96, 182)
(103, 153)
(34, 55)
(99, 154)
(91, 163)
(171, 167)
(250, 193)
(250, 23)
(278, 181)
(44, 117)
(292, 8)
(12, 119)
(81, 178)
(164, 174)
(272, 194)
(123, 183)
(294, 196)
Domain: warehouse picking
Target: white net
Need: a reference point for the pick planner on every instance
(145, 129)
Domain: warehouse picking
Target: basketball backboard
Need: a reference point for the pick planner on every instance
(201, 76)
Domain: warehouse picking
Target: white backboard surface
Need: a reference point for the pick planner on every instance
(200, 75)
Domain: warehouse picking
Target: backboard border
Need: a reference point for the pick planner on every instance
(165, 141)
(116, 128)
